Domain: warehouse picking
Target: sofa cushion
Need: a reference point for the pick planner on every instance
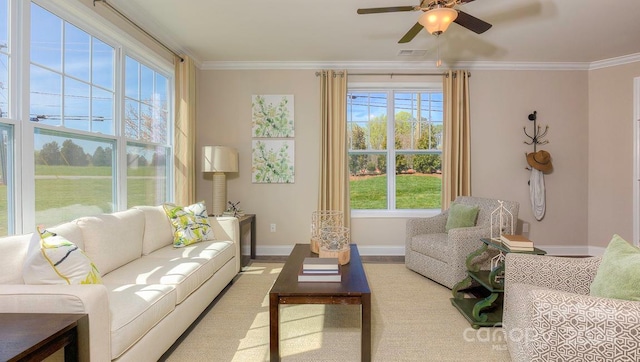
(435, 245)
(618, 275)
(70, 231)
(220, 252)
(13, 252)
(186, 275)
(190, 223)
(135, 309)
(158, 231)
(461, 216)
(52, 259)
(113, 240)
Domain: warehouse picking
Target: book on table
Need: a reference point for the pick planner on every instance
(320, 265)
(520, 248)
(515, 240)
(322, 277)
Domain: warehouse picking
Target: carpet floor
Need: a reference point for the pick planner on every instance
(412, 320)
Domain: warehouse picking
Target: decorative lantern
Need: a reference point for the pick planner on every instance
(334, 243)
(322, 219)
(501, 222)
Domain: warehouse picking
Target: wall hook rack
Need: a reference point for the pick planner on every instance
(538, 134)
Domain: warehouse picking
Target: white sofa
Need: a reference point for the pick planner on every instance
(151, 291)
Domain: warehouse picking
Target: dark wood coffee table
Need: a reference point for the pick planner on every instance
(33, 337)
(353, 289)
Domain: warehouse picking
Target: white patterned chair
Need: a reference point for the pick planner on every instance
(549, 315)
(440, 255)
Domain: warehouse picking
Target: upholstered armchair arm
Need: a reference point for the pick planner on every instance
(91, 299)
(427, 225)
(573, 275)
(549, 325)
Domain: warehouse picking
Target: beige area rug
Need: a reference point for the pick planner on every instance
(412, 320)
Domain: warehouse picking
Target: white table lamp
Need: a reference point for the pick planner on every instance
(219, 159)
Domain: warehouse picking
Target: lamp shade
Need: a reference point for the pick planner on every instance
(438, 19)
(219, 159)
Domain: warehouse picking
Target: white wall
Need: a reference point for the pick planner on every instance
(500, 104)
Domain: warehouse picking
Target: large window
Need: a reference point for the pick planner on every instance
(96, 133)
(395, 146)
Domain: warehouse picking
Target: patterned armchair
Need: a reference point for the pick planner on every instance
(550, 316)
(441, 256)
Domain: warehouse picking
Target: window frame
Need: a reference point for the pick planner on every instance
(391, 88)
(23, 171)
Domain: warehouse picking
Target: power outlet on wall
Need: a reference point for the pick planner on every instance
(272, 228)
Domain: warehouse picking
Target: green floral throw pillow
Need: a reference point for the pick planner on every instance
(190, 223)
(618, 275)
(52, 259)
(461, 216)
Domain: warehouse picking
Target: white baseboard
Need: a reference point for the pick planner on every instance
(395, 250)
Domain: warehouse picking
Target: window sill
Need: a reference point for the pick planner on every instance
(400, 214)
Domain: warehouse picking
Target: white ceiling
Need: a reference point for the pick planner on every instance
(330, 31)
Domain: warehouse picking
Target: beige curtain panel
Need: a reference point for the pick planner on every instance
(185, 142)
(456, 153)
(334, 172)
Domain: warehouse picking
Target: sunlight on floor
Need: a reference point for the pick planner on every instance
(301, 328)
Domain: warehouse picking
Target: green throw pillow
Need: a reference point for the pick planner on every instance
(618, 275)
(461, 216)
(190, 223)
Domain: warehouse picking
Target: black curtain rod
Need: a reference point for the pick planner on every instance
(138, 27)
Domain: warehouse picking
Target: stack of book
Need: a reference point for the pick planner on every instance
(320, 270)
(517, 242)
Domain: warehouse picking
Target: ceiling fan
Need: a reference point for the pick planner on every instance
(436, 18)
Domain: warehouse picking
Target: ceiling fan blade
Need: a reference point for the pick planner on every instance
(464, 1)
(411, 33)
(472, 23)
(392, 9)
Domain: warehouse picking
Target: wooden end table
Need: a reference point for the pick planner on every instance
(35, 336)
(353, 289)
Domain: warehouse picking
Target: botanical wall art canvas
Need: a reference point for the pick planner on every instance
(272, 116)
(272, 161)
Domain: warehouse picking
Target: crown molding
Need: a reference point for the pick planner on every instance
(423, 66)
(612, 62)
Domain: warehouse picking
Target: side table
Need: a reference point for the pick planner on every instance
(35, 336)
(247, 219)
(487, 311)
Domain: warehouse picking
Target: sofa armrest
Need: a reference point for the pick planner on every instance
(550, 325)
(228, 228)
(92, 300)
(573, 275)
(426, 225)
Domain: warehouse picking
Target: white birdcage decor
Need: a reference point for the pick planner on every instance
(501, 222)
(322, 219)
(334, 243)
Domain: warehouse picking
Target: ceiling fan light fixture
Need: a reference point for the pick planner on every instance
(438, 19)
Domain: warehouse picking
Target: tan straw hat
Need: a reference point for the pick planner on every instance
(540, 160)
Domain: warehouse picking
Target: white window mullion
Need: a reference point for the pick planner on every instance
(391, 151)
(121, 143)
(25, 187)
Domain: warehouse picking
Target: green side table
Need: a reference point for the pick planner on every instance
(484, 312)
